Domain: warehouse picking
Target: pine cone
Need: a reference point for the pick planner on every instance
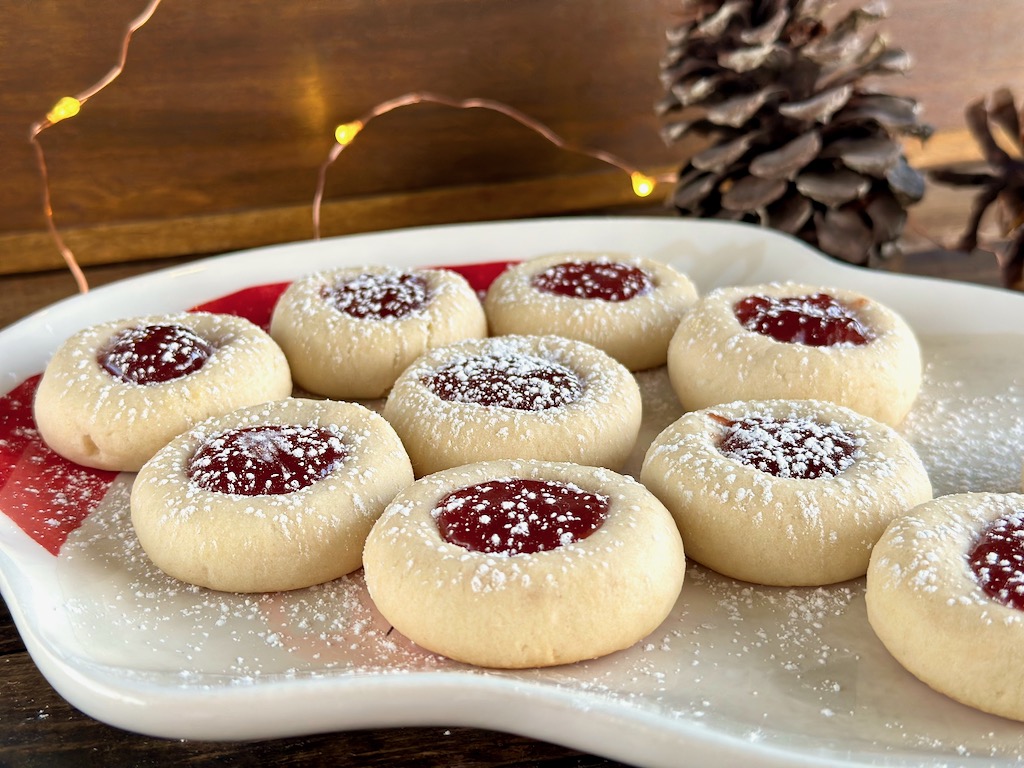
(799, 142)
(1002, 183)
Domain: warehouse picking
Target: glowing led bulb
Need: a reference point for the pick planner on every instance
(642, 185)
(346, 132)
(68, 106)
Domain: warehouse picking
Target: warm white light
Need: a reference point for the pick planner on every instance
(346, 132)
(67, 107)
(642, 185)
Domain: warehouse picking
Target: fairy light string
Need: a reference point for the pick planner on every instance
(69, 106)
(65, 108)
(344, 134)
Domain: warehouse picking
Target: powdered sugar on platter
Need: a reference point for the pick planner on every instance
(968, 422)
(722, 659)
(763, 676)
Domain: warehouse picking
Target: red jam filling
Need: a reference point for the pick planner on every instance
(154, 354)
(609, 281)
(795, 448)
(265, 460)
(818, 320)
(519, 517)
(998, 560)
(523, 382)
(380, 296)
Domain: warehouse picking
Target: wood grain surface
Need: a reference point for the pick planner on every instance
(227, 110)
(211, 138)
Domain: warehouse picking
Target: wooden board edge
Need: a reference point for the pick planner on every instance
(36, 251)
(198, 235)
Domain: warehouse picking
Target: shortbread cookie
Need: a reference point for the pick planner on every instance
(788, 493)
(625, 305)
(793, 341)
(524, 564)
(348, 333)
(945, 595)
(532, 397)
(272, 497)
(113, 394)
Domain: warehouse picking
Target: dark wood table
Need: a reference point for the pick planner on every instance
(38, 728)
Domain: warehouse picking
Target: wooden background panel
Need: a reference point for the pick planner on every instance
(212, 137)
(228, 108)
(961, 51)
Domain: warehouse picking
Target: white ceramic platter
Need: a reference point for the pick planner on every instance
(738, 674)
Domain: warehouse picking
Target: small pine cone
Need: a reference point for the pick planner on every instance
(1001, 183)
(798, 142)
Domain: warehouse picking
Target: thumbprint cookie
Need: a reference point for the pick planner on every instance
(507, 397)
(515, 564)
(348, 333)
(271, 497)
(625, 305)
(785, 493)
(793, 342)
(113, 394)
(945, 595)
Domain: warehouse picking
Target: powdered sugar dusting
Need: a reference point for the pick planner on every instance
(791, 668)
(796, 447)
(130, 612)
(514, 516)
(521, 381)
(818, 320)
(600, 279)
(153, 354)
(267, 459)
(380, 295)
(997, 559)
(967, 424)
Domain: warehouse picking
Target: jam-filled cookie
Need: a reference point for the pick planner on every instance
(945, 595)
(506, 397)
(518, 564)
(267, 498)
(348, 333)
(113, 394)
(625, 305)
(787, 493)
(793, 341)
